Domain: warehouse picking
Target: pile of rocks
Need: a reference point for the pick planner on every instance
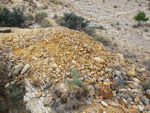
(50, 54)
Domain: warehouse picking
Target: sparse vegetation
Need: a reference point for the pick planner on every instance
(104, 40)
(112, 25)
(118, 28)
(146, 30)
(117, 23)
(40, 16)
(100, 27)
(46, 6)
(135, 26)
(147, 62)
(115, 6)
(146, 84)
(57, 2)
(75, 81)
(141, 16)
(55, 16)
(89, 30)
(29, 17)
(46, 23)
(15, 96)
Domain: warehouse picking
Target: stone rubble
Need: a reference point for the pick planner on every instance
(44, 57)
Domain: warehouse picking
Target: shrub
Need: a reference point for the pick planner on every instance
(56, 2)
(29, 17)
(76, 82)
(100, 27)
(75, 76)
(55, 16)
(118, 28)
(72, 21)
(146, 84)
(12, 19)
(46, 6)
(46, 23)
(15, 96)
(115, 6)
(40, 16)
(89, 30)
(112, 25)
(147, 62)
(61, 21)
(104, 40)
(5, 17)
(141, 16)
(135, 26)
(18, 16)
(140, 5)
(146, 30)
(117, 23)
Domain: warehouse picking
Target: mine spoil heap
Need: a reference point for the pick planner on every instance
(48, 55)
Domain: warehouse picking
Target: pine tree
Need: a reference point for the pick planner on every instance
(141, 16)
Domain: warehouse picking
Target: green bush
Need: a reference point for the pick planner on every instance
(72, 21)
(15, 18)
(18, 16)
(46, 23)
(76, 82)
(40, 16)
(141, 16)
(75, 76)
(5, 17)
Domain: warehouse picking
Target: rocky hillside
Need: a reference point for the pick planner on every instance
(116, 17)
(67, 71)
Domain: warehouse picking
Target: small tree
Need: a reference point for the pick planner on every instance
(141, 16)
